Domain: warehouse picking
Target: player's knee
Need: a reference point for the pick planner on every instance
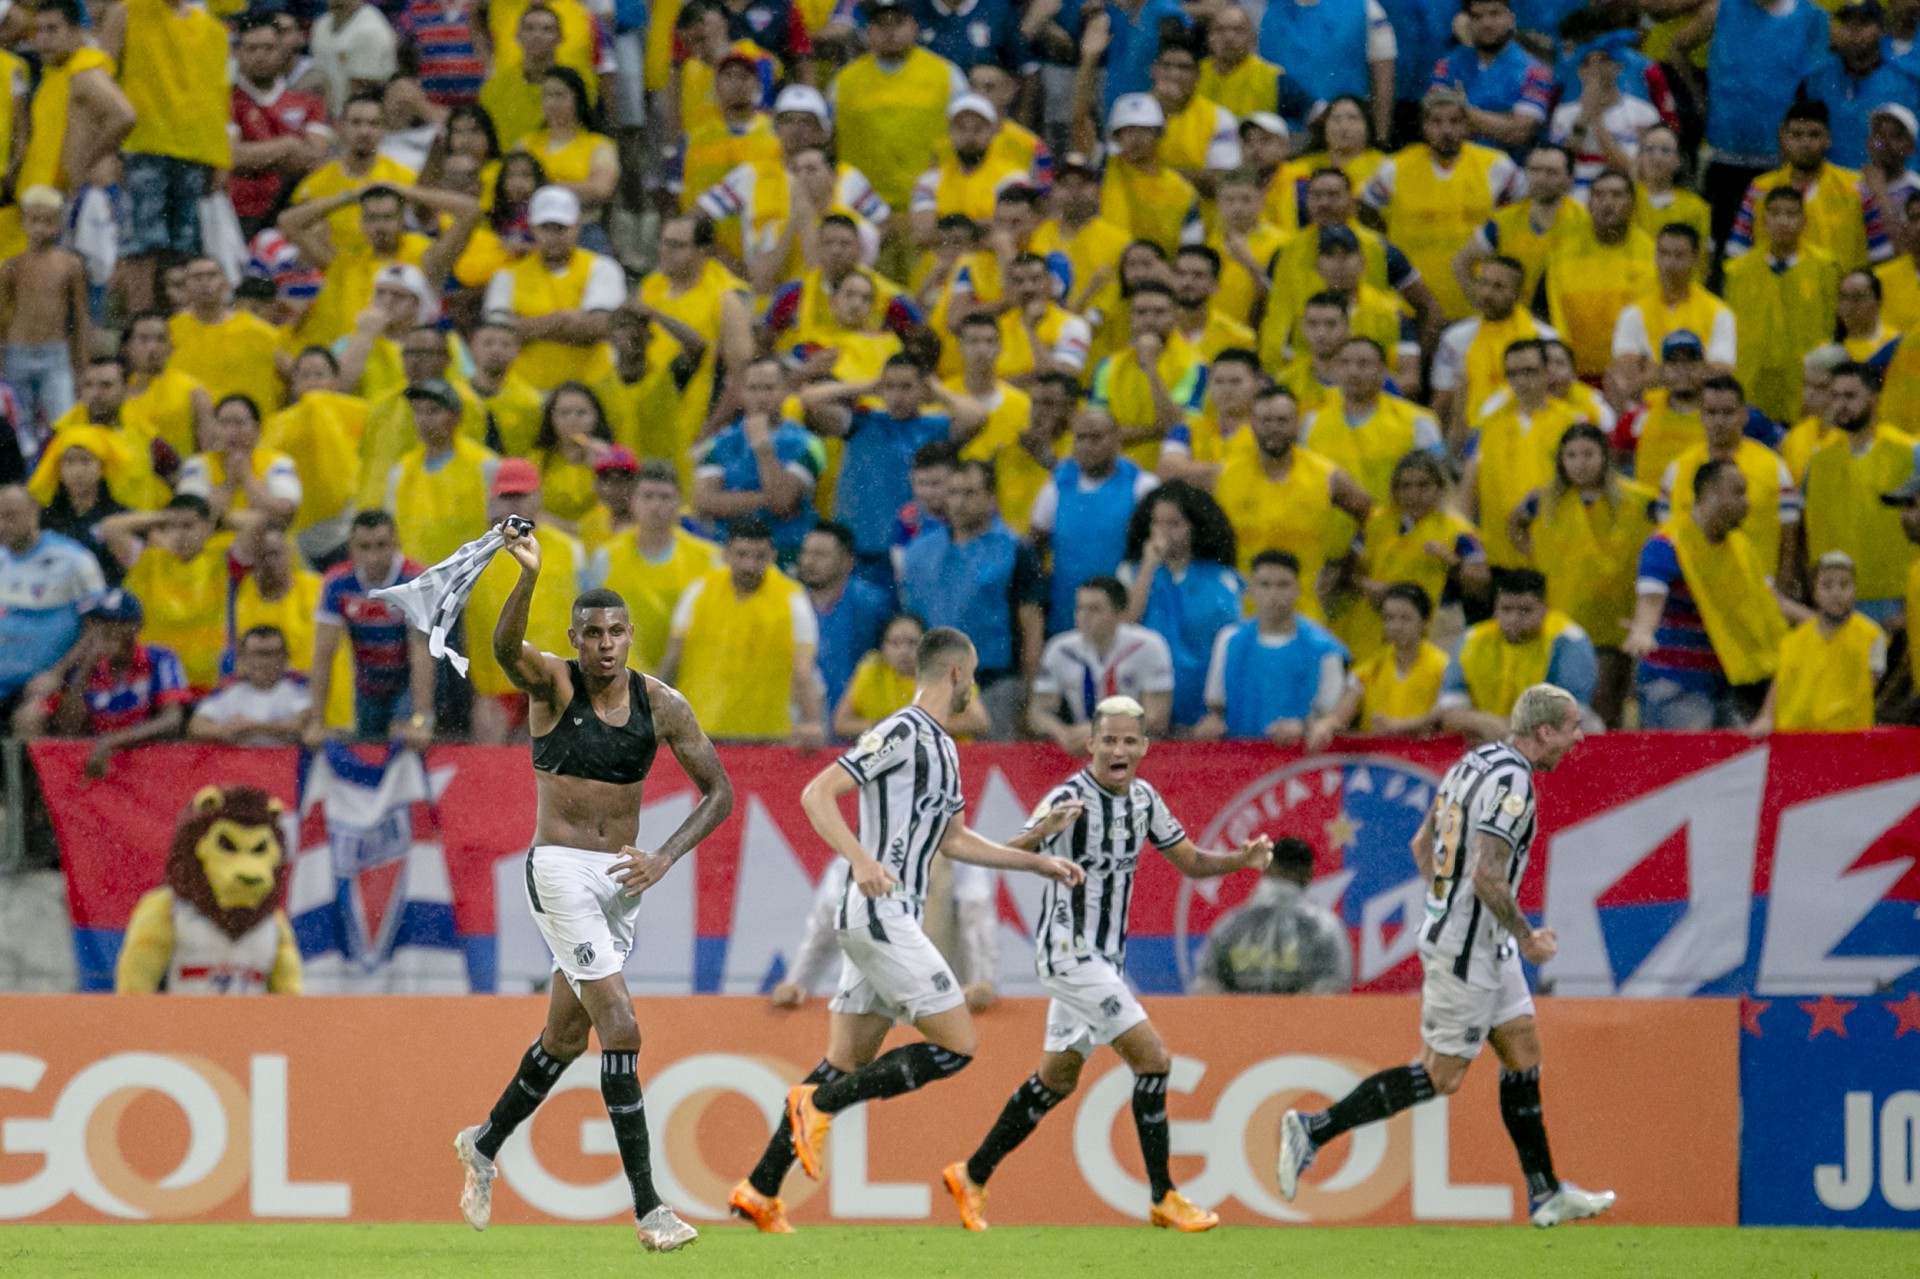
(1446, 1079)
(1061, 1075)
(564, 1044)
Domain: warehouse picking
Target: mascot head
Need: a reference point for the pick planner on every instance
(227, 858)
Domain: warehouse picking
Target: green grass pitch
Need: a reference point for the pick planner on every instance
(913, 1252)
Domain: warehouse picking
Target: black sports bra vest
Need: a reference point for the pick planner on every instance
(584, 745)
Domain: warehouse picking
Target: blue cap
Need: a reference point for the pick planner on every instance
(116, 605)
(1338, 239)
(1682, 340)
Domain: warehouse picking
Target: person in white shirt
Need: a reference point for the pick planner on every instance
(264, 705)
(554, 214)
(1604, 126)
(354, 48)
(1101, 657)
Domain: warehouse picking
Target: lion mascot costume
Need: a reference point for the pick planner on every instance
(216, 927)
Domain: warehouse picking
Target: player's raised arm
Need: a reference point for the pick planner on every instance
(821, 800)
(537, 674)
(674, 722)
(1196, 862)
(1045, 826)
(964, 844)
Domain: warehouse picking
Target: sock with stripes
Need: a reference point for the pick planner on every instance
(1520, 1107)
(1150, 1121)
(1376, 1097)
(778, 1156)
(900, 1071)
(1018, 1118)
(539, 1071)
(620, 1089)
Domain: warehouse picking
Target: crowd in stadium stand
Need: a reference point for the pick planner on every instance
(1298, 369)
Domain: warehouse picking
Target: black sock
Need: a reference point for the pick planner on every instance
(620, 1089)
(1150, 1121)
(900, 1071)
(1018, 1118)
(539, 1071)
(778, 1156)
(1520, 1107)
(1376, 1097)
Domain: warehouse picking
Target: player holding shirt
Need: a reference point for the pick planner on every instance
(1476, 835)
(596, 726)
(908, 774)
(1110, 815)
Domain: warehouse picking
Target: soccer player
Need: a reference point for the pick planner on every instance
(908, 774)
(1082, 941)
(1476, 836)
(596, 726)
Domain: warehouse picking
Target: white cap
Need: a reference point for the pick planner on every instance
(1136, 109)
(401, 275)
(975, 103)
(1903, 114)
(553, 206)
(1266, 122)
(804, 97)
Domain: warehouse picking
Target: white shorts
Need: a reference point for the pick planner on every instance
(1456, 1015)
(1091, 1005)
(902, 977)
(581, 911)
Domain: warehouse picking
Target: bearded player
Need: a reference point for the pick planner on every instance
(596, 726)
(1111, 816)
(907, 773)
(1472, 851)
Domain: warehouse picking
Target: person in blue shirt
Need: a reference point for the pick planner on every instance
(1277, 675)
(1760, 52)
(1083, 510)
(973, 32)
(1129, 35)
(1858, 80)
(1335, 47)
(44, 577)
(1181, 584)
(853, 613)
(972, 573)
(1509, 91)
(763, 465)
(882, 436)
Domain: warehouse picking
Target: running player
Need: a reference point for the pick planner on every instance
(908, 774)
(596, 726)
(1477, 835)
(1082, 943)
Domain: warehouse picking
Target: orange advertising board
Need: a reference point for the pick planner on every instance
(181, 1108)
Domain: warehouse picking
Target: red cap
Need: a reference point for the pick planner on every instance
(617, 458)
(515, 476)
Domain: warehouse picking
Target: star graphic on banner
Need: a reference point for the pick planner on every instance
(1828, 1013)
(1906, 1014)
(1342, 831)
(1750, 1010)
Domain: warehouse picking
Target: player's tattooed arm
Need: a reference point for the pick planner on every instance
(673, 720)
(1492, 857)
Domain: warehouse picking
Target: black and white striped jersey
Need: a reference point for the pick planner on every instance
(909, 775)
(1090, 919)
(1490, 790)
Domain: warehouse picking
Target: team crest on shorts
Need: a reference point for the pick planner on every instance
(1472, 1034)
(942, 983)
(1110, 1005)
(583, 954)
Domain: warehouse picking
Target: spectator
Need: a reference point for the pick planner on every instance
(743, 645)
(44, 577)
(693, 287)
(1906, 501)
(1512, 451)
(512, 403)
(76, 88)
(972, 573)
(1528, 231)
(1092, 495)
(1863, 334)
(500, 709)
(1398, 688)
(1858, 80)
(1508, 90)
(263, 705)
(930, 479)
(1277, 942)
(1758, 56)
(574, 434)
(43, 313)
(1196, 287)
(122, 442)
(1415, 537)
(1246, 241)
(279, 134)
(1363, 429)
(1774, 505)
(891, 102)
(76, 465)
(1128, 32)
(1681, 305)
(110, 686)
(354, 48)
(340, 185)
(1195, 450)
(643, 392)
(576, 156)
(1282, 497)
(392, 428)
(1277, 675)
(1592, 277)
(883, 683)
(1842, 216)
(177, 558)
(651, 565)
(1829, 663)
(1335, 48)
(764, 466)
(728, 125)
(234, 473)
(1523, 644)
(1149, 387)
(1844, 478)
(511, 93)
(1081, 232)
(1181, 585)
(1892, 133)
(1584, 530)
(850, 611)
(172, 404)
(1233, 76)
(616, 473)
(1202, 137)
(1667, 421)
(1038, 336)
(1146, 199)
(1605, 124)
(983, 34)
(971, 171)
(1708, 624)
(1470, 364)
(226, 350)
(559, 298)
(1783, 302)
(276, 591)
(172, 57)
(438, 490)
(392, 670)
(1101, 657)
